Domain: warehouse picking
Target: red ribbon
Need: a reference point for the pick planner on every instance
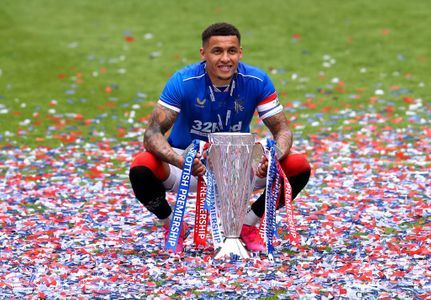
(201, 217)
(294, 237)
(287, 190)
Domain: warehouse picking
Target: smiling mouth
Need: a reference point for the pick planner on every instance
(225, 68)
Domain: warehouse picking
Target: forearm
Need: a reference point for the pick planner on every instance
(281, 133)
(284, 142)
(157, 144)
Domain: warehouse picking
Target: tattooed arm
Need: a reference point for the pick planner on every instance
(280, 130)
(162, 119)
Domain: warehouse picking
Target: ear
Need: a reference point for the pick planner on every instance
(202, 52)
(240, 52)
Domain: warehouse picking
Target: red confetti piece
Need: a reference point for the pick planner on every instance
(296, 36)
(129, 39)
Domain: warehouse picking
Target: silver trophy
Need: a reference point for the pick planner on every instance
(233, 158)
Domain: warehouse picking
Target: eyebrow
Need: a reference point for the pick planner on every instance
(228, 48)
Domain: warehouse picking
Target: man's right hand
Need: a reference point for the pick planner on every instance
(198, 168)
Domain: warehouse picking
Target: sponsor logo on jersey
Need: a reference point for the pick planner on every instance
(200, 103)
(204, 128)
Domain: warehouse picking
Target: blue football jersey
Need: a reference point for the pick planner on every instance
(204, 108)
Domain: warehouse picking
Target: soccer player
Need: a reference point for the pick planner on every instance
(218, 94)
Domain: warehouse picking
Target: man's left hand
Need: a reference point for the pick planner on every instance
(262, 168)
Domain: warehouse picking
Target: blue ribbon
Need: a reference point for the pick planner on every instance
(210, 190)
(272, 192)
(210, 206)
(181, 200)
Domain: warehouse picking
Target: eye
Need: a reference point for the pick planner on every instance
(216, 51)
(233, 51)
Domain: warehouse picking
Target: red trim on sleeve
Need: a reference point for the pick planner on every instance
(271, 97)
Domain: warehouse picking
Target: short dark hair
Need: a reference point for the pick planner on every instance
(217, 29)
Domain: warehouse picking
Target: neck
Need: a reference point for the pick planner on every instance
(219, 82)
(221, 86)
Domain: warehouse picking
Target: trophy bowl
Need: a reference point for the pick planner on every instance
(232, 159)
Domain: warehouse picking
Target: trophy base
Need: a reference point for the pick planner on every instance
(232, 246)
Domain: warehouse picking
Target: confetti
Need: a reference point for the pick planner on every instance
(70, 226)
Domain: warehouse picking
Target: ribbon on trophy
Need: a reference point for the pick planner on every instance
(182, 195)
(287, 190)
(206, 196)
(212, 208)
(205, 207)
(271, 198)
(276, 177)
(201, 216)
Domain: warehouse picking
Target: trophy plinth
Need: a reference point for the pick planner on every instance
(231, 160)
(232, 246)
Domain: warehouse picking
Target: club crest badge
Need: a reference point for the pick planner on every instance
(238, 105)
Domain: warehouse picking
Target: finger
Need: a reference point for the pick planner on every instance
(198, 162)
(199, 171)
(262, 170)
(198, 168)
(202, 171)
(260, 174)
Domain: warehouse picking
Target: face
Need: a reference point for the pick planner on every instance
(222, 55)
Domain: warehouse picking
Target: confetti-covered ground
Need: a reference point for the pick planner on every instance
(71, 228)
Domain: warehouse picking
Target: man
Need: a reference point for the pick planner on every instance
(219, 94)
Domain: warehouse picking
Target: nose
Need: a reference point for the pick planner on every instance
(225, 57)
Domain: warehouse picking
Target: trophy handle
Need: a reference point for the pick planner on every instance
(258, 153)
(209, 158)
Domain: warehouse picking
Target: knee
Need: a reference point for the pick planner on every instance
(138, 174)
(295, 164)
(152, 163)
